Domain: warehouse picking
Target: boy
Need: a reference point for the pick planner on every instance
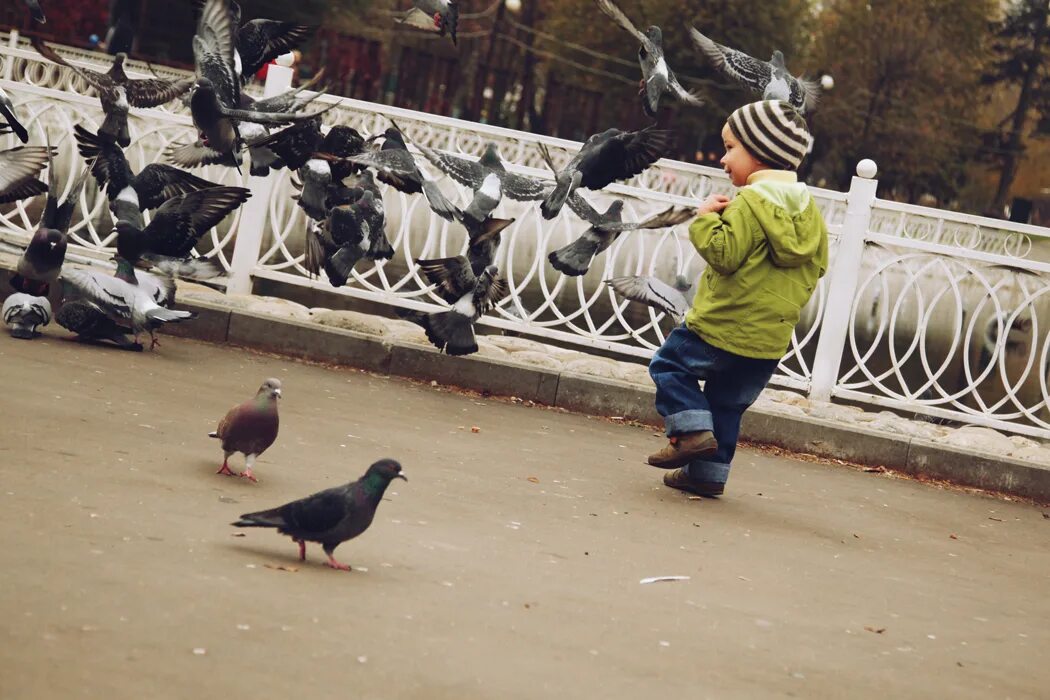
(765, 251)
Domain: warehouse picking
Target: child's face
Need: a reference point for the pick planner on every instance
(738, 162)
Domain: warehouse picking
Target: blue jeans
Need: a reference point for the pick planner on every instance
(731, 384)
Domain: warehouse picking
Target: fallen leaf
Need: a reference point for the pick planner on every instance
(475, 429)
(876, 630)
(743, 578)
(875, 470)
(533, 479)
(659, 579)
(238, 534)
(282, 567)
(954, 537)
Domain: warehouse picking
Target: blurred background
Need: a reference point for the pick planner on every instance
(950, 97)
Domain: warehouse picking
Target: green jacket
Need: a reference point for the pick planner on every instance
(765, 253)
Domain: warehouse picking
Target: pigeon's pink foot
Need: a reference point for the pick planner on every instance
(153, 342)
(336, 565)
(247, 474)
(302, 550)
(225, 469)
(437, 20)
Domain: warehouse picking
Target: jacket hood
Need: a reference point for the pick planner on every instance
(785, 211)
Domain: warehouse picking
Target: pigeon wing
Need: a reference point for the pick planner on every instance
(452, 277)
(651, 292)
(737, 65)
(672, 216)
(106, 291)
(23, 190)
(316, 514)
(18, 165)
(99, 81)
(158, 182)
(468, 173)
(617, 15)
(269, 39)
(151, 92)
(683, 95)
(804, 94)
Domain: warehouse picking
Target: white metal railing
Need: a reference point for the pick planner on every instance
(876, 331)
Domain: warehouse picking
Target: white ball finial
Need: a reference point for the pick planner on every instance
(513, 5)
(827, 82)
(285, 59)
(867, 168)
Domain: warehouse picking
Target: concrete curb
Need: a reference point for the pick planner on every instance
(581, 393)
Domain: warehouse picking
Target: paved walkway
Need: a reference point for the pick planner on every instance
(507, 567)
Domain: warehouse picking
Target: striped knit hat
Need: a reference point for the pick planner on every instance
(773, 131)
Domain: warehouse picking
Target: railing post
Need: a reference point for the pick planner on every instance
(842, 285)
(252, 224)
(9, 64)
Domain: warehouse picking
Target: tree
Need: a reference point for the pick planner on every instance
(907, 77)
(1022, 47)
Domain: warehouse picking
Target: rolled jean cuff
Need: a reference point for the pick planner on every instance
(691, 421)
(714, 472)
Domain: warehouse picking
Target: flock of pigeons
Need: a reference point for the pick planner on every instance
(336, 174)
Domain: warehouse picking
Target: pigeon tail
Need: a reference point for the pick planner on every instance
(575, 258)
(196, 269)
(264, 518)
(160, 315)
(214, 434)
(452, 332)
(550, 207)
(439, 203)
(115, 127)
(340, 265)
(450, 22)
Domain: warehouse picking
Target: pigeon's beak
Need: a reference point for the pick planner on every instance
(401, 476)
(277, 393)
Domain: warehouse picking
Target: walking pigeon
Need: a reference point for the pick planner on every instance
(117, 92)
(473, 174)
(470, 295)
(36, 12)
(332, 516)
(575, 258)
(129, 296)
(606, 157)
(260, 41)
(439, 16)
(770, 79)
(249, 428)
(650, 291)
(41, 262)
(24, 313)
(18, 170)
(7, 111)
(91, 323)
(657, 77)
(396, 167)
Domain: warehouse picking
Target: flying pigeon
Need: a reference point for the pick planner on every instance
(36, 12)
(18, 170)
(117, 92)
(470, 295)
(650, 291)
(249, 428)
(24, 313)
(606, 157)
(351, 232)
(472, 174)
(41, 262)
(259, 41)
(91, 323)
(332, 516)
(657, 77)
(396, 167)
(7, 111)
(130, 296)
(770, 79)
(439, 16)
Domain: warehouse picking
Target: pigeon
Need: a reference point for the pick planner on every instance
(332, 516)
(24, 313)
(91, 323)
(36, 12)
(117, 92)
(259, 41)
(178, 223)
(154, 185)
(606, 157)
(470, 295)
(18, 170)
(130, 296)
(397, 168)
(249, 428)
(351, 232)
(675, 301)
(441, 16)
(473, 174)
(7, 111)
(575, 258)
(41, 262)
(770, 79)
(657, 77)
(215, 99)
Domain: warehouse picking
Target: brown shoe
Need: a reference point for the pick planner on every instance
(683, 449)
(678, 479)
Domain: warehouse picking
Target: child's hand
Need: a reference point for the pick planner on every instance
(712, 204)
